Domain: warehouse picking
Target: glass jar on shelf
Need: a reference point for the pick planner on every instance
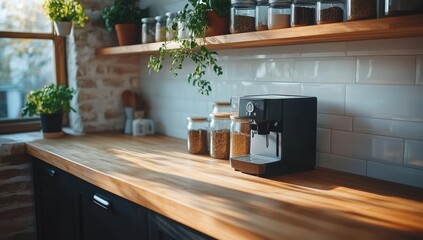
(279, 14)
(361, 9)
(242, 16)
(330, 11)
(197, 141)
(401, 7)
(183, 31)
(303, 13)
(240, 137)
(148, 30)
(160, 34)
(221, 107)
(220, 135)
(170, 21)
(262, 9)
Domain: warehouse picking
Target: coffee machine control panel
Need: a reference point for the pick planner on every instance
(252, 109)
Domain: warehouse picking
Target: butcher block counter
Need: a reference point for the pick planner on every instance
(206, 194)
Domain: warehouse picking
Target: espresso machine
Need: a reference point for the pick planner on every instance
(283, 134)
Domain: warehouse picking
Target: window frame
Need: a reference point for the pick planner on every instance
(59, 43)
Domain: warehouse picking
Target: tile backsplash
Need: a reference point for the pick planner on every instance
(370, 99)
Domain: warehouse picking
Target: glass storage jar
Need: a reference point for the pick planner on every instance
(160, 34)
(197, 141)
(401, 7)
(221, 107)
(148, 30)
(240, 137)
(170, 20)
(330, 11)
(183, 31)
(303, 13)
(242, 16)
(361, 9)
(220, 135)
(262, 8)
(279, 14)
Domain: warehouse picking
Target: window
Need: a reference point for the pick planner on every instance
(30, 57)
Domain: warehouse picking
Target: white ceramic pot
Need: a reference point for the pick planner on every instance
(63, 29)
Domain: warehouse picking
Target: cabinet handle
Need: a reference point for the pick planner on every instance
(50, 171)
(101, 202)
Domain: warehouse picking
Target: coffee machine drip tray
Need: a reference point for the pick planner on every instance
(252, 164)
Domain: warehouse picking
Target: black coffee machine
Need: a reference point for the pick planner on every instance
(283, 134)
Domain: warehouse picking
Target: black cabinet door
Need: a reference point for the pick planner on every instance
(102, 215)
(53, 202)
(163, 228)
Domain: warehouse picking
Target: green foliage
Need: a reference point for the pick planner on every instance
(64, 11)
(123, 11)
(193, 47)
(50, 99)
(221, 7)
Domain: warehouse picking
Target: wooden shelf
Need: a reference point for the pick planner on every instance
(392, 27)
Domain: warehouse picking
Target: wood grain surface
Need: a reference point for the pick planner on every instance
(209, 196)
(390, 27)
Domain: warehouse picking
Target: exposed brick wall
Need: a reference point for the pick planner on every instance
(16, 193)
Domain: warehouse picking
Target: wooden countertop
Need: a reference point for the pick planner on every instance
(209, 196)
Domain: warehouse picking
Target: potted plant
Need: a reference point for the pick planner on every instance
(64, 13)
(124, 18)
(50, 102)
(195, 16)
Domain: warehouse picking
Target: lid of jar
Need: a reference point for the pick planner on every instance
(148, 20)
(171, 14)
(279, 1)
(243, 2)
(197, 119)
(239, 119)
(221, 115)
(262, 1)
(160, 18)
(222, 104)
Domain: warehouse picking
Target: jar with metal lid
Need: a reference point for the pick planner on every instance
(303, 13)
(330, 11)
(148, 30)
(183, 31)
(170, 21)
(160, 34)
(242, 16)
(197, 141)
(240, 137)
(262, 9)
(220, 135)
(279, 14)
(361, 9)
(221, 107)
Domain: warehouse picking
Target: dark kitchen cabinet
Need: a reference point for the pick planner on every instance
(53, 202)
(163, 228)
(102, 215)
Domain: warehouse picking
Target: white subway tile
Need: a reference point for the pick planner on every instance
(389, 127)
(367, 146)
(223, 91)
(395, 46)
(385, 101)
(337, 49)
(386, 69)
(271, 88)
(341, 163)
(330, 97)
(323, 140)
(325, 70)
(274, 70)
(288, 51)
(237, 70)
(404, 175)
(419, 70)
(335, 122)
(413, 156)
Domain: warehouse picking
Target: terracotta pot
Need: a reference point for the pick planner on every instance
(63, 28)
(127, 34)
(216, 25)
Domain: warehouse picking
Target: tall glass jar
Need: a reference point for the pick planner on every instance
(279, 14)
(361, 9)
(220, 135)
(262, 9)
(330, 11)
(240, 137)
(221, 107)
(242, 16)
(160, 35)
(170, 20)
(148, 30)
(303, 13)
(183, 31)
(197, 141)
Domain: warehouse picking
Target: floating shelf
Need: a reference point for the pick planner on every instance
(390, 27)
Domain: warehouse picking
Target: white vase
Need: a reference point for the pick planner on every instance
(63, 28)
